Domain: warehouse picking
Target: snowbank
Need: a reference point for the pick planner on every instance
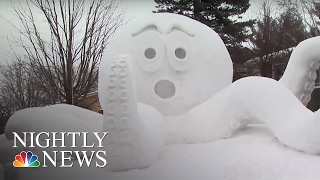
(254, 153)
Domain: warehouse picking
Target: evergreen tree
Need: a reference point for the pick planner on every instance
(222, 16)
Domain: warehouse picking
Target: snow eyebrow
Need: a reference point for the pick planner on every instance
(147, 27)
(179, 28)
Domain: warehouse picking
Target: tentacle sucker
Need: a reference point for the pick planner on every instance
(121, 119)
(135, 136)
(301, 71)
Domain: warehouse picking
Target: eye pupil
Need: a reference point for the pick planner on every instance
(150, 53)
(180, 53)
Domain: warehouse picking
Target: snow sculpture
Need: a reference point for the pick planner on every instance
(300, 74)
(167, 79)
(181, 67)
(174, 69)
(172, 57)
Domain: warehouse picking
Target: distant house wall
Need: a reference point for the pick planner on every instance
(93, 101)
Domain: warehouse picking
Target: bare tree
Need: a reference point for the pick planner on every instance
(19, 89)
(274, 39)
(66, 63)
(309, 9)
(5, 108)
(264, 41)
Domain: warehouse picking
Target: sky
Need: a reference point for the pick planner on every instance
(133, 8)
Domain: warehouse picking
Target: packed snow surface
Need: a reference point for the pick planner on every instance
(254, 153)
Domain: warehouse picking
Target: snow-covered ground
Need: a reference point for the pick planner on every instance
(253, 154)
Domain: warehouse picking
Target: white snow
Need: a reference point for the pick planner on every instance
(266, 100)
(205, 69)
(253, 154)
(301, 71)
(7, 153)
(56, 118)
(135, 136)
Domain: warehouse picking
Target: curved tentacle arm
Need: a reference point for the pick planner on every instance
(55, 118)
(245, 100)
(300, 74)
(135, 137)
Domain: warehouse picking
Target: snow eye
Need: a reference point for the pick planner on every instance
(150, 53)
(180, 53)
(150, 59)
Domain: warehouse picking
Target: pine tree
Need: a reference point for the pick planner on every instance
(222, 16)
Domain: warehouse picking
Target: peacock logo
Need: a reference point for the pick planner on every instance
(26, 160)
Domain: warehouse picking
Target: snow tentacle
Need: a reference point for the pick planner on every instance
(301, 71)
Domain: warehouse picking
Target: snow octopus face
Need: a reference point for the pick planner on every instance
(178, 63)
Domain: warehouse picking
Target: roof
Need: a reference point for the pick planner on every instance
(271, 54)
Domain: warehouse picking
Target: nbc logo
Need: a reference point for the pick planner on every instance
(26, 160)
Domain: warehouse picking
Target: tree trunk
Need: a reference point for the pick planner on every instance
(1, 124)
(266, 69)
(196, 9)
(69, 93)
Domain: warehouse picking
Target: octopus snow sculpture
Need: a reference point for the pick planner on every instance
(167, 79)
(183, 69)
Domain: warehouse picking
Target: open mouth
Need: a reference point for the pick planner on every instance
(165, 89)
